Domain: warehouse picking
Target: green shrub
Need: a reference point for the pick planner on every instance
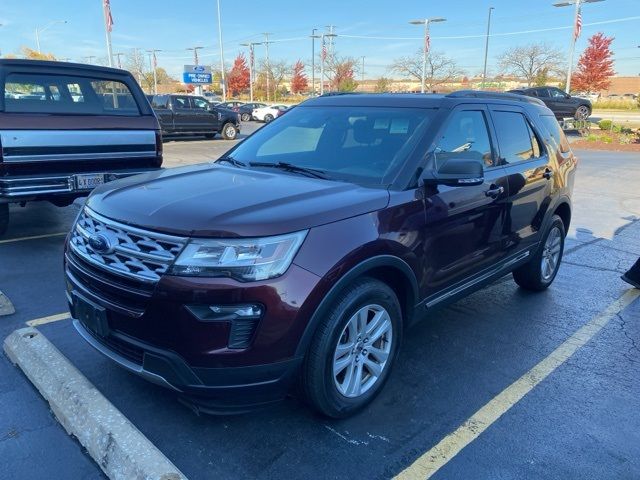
(606, 139)
(592, 138)
(605, 124)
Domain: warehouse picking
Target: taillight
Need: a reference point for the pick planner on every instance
(159, 147)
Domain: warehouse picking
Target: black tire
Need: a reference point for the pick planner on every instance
(583, 112)
(4, 218)
(246, 117)
(268, 118)
(229, 131)
(209, 136)
(530, 276)
(317, 379)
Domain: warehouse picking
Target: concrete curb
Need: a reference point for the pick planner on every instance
(116, 445)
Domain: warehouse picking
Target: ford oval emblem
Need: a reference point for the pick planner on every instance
(101, 243)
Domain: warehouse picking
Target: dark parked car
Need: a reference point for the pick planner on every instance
(66, 128)
(560, 103)
(307, 250)
(246, 110)
(193, 115)
(232, 105)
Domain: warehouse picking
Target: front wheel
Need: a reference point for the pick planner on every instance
(353, 349)
(268, 118)
(582, 112)
(246, 117)
(543, 267)
(4, 218)
(229, 131)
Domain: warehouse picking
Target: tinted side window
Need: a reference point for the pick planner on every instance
(200, 103)
(557, 93)
(181, 102)
(465, 138)
(160, 101)
(542, 92)
(65, 94)
(553, 127)
(515, 137)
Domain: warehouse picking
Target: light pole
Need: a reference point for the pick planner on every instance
(119, 60)
(42, 29)
(153, 62)
(323, 57)
(362, 73)
(427, 43)
(574, 34)
(224, 83)
(251, 64)
(313, 59)
(486, 48)
(266, 60)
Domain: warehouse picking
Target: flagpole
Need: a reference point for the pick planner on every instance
(572, 47)
(106, 10)
(322, 57)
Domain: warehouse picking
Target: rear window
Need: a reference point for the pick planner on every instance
(64, 94)
(558, 136)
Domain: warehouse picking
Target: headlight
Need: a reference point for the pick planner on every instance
(247, 259)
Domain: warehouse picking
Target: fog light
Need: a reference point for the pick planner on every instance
(241, 311)
(226, 313)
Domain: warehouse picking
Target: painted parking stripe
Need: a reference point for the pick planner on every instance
(34, 237)
(438, 456)
(49, 319)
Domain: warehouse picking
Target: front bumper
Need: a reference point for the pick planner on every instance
(37, 187)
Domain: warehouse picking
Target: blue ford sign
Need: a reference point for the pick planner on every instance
(197, 74)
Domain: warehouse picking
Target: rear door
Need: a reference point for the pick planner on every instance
(61, 120)
(464, 229)
(529, 173)
(161, 107)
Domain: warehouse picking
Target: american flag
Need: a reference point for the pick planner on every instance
(427, 41)
(324, 50)
(578, 26)
(155, 60)
(251, 57)
(106, 4)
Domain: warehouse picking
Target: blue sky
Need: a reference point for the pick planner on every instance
(173, 26)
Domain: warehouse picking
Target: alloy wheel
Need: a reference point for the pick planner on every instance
(362, 351)
(551, 254)
(582, 113)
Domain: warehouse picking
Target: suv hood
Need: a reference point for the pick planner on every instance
(212, 200)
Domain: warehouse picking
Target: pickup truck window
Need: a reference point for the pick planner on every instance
(63, 94)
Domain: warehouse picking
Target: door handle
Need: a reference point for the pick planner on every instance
(494, 191)
(548, 173)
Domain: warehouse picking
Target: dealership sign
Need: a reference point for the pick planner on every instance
(197, 74)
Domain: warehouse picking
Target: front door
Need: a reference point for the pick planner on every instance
(529, 174)
(185, 118)
(207, 118)
(464, 226)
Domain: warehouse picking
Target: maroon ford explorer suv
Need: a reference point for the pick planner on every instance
(304, 254)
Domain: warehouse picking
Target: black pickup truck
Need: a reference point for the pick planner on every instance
(66, 128)
(194, 115)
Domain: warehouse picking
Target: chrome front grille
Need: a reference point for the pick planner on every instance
(134, 253)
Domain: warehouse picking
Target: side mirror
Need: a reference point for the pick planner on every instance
(211, 108)
(456, 173)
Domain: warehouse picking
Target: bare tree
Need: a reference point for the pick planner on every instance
(440, 69)
(136, 62)
(531, 62)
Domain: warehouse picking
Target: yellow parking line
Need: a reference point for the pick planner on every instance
(438, 456)
(34, 237)
(49, 319)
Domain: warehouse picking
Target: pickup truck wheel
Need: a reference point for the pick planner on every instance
(541, 270)
(229, 131)
(353, 349)
(268, 118)
(246, 117)
(4, 218)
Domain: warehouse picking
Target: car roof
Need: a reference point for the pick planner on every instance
(43, 64)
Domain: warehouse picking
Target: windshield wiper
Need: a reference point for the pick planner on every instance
(290, 167)
(232, 161)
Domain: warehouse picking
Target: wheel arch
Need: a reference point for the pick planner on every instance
(563, 210)
(391, 270)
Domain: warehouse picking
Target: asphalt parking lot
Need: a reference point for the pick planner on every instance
(580, 422)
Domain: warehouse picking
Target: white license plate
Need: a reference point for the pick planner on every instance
(88, 182)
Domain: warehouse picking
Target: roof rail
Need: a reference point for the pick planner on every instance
(495, 95)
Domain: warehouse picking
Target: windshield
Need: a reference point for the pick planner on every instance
(366, 145)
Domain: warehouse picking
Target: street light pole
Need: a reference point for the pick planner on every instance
(118, 55)
(154, 66)
(251, 64)
(574, 36)
(266, 60)
(313, 59)
(486, 48)
(323, 57)
(224, 83)
(427, 42)
(46, 27)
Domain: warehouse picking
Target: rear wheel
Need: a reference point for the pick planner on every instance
(246, 117)
(582, 112)
(543, 267)
(353, 350)
(229, 131)
(268, 118)
(4, 218)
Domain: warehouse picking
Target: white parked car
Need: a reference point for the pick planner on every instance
(268, 113)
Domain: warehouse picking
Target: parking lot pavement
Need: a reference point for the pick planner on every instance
(580, 422)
